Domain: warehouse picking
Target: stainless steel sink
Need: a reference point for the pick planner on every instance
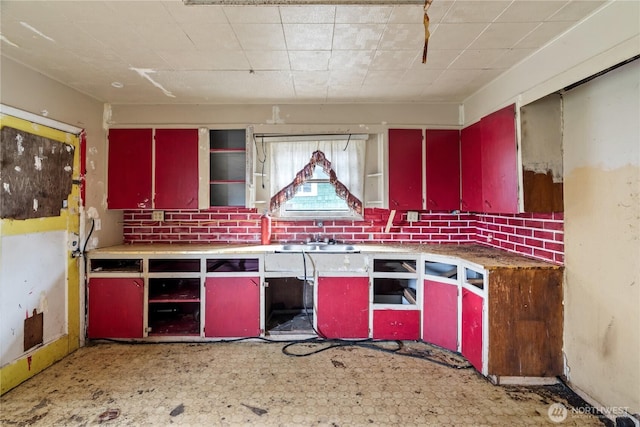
(317, 247)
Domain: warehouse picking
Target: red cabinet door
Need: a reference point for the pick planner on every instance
(443, 169)
(115, 308)
(440, 314)
(129, 174)
(471, 168)
(232, 307)
(499, 157)
(405, 169)
(472, 328)
(343, 307)
(176, 169)
(396, 324)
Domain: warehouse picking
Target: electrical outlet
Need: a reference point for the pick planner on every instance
(157, 215)
(412, 216)
(97, 224)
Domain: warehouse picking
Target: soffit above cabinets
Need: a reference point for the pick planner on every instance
(164, 52)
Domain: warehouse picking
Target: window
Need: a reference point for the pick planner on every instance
(316, 177)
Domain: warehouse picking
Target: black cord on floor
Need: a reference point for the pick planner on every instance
(398, 347)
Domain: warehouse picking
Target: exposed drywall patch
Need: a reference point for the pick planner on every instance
(7, 41)
(602, 248)
(36, 174)
(275, 116)
(36, 31)
(144, 73)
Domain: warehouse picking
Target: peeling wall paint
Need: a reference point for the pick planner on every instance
(602, 237)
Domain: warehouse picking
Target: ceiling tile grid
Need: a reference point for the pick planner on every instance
(169, 52)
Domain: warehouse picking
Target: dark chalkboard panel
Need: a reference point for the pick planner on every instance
(36, 175)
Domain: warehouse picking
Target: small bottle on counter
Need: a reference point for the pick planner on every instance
(265, 229)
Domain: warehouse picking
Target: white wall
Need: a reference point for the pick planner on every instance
(606, 38)
(602, 237)
(33, 92)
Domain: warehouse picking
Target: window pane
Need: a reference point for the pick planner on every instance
(316, 196)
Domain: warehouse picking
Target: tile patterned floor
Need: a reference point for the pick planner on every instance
(255, 383)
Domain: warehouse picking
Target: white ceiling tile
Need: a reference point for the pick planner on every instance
(424, 76)
(347, 77)
(268, 59)
(510, 58)
(502, 35)
(436, 59)
(24, 10)
(171, 37)
(351, 59)
(577, 10)
(253, 14)
(136, 12)
(225, 60)
(542, 34)
(474, 11)
(343, 93)
(407, 14)
(308, 36)
(380, 77)
(311, 60)
(363, 14)
(477, 59)
(192, 14)
(402, 36)
(394, 59)
(260, 36)
(323, 14)
(531, 10)
(213, 37)
(357, 36)
(310, 78)
(455, 36)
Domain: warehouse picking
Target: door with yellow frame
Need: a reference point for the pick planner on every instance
(39, 243)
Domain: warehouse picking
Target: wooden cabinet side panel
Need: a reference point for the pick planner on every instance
(396, 324)
(232, 307)
(440, 314)
(500, 164)
(525, 322)
(176, 169)
(443, 169)
(129, 174)
(343, 307)
(405, 168)
(471, 168)
(115, 308)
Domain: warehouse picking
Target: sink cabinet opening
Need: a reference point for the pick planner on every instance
(289, 306)
(394, 291)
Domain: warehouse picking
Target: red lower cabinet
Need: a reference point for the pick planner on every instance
(396, 324)
(115, 308)
(472, 328)
(440, 314)
(343, 307)
(232, 307)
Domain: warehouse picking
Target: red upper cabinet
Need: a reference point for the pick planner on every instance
(471, 168)
(134, 172)
(176, 169)
(489, 164)
(130, 169)
(405, 169)
(443, 169)
(499, 157)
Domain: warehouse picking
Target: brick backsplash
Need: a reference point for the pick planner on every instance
(535, 235)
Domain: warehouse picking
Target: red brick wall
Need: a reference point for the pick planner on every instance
(534, 235)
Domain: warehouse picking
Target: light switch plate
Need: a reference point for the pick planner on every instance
(157, 216)
(412, 216)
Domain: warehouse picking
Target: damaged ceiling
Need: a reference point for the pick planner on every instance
(162, 52)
